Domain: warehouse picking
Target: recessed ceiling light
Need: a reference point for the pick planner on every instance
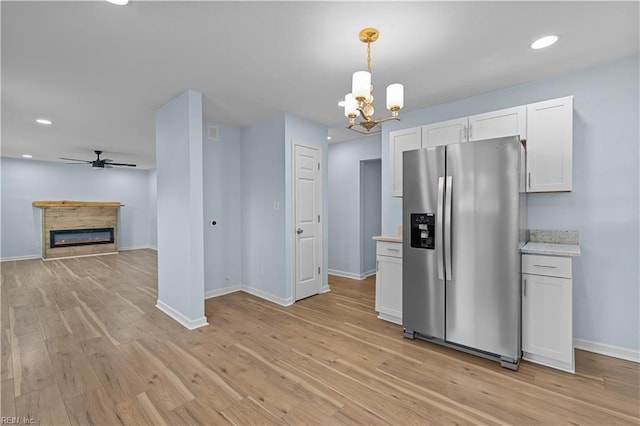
(44, 121)
(27, 155)
(119, 2)
(543, 42)
(328, 138)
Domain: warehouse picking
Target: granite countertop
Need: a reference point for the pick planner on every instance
(388, 239)
(552, 243)
(551, 249)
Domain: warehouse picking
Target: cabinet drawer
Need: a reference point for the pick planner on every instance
(551, 266)
(385, 248)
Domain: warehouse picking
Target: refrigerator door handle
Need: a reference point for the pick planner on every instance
(447, 229)
(439, 240)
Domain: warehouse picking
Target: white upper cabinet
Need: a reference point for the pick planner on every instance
(546, 126)
(497, 124)
(399, 142)
(445, 132)
(549, 145)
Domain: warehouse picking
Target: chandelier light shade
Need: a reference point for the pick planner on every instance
(395, 97)
(350, 106)
(361, 85)
(360, 101)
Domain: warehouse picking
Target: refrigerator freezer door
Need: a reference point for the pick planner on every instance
(422, 291)
(483, 297)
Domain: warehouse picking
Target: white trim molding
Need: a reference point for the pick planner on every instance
(81, 255)
(268, 296)
(29, 257)
(137, 248)
(351, 275)
(188, 323)
(609, 350)
(222, 291)
(252, 291)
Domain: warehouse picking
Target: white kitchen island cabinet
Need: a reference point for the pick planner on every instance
(389, 280)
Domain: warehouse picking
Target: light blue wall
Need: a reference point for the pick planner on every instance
(370, 212)
(180, 218)
(267, 234)
(222, 203)
(604, 203)
(263, 182)
(344, 202)
(152, 202)
(24, 181)
(298, 129)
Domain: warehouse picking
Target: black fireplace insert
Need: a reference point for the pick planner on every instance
(80, 237)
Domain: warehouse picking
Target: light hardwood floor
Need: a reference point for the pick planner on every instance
(82, 343)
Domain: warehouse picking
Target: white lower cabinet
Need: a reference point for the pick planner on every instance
(547, 311)
(389, 281)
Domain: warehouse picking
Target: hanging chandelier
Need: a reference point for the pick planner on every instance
(360, 101)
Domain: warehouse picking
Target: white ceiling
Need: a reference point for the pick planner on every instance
(100, 71)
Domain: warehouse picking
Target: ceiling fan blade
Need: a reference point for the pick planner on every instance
(78, 164)
(121, 164)
(75, 159)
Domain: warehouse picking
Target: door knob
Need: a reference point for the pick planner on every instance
(299, 231)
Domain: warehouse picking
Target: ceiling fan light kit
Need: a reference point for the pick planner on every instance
(99, 163)
(360, 101)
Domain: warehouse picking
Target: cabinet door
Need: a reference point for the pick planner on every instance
(445, 132)
(547, 317)
(399, 142)
(549, 145)
(389, 287)
(497, 124)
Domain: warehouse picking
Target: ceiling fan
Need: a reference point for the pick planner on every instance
(100, 163)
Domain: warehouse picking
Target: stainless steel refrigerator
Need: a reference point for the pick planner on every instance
(464, 222)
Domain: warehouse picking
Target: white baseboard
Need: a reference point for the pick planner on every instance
(569, 367)
(609, 350)
(188, 323)
(250, 290)
(267, 296)
(222, 291)
(350, 275)
(30, 257)
(368, 274)
(390, 318)
(135, 248)
(81, 255)
(326, 289)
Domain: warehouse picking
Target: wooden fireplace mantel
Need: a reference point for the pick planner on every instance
(78, 216)
(67, 203)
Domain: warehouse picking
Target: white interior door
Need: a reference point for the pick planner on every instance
(308, 232)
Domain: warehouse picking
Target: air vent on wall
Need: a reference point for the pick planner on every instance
(212, 133)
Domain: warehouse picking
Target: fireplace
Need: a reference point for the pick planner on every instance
(80, 237)
(78, 228)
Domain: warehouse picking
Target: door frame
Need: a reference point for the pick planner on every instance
(362, 213)
(323, 219)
